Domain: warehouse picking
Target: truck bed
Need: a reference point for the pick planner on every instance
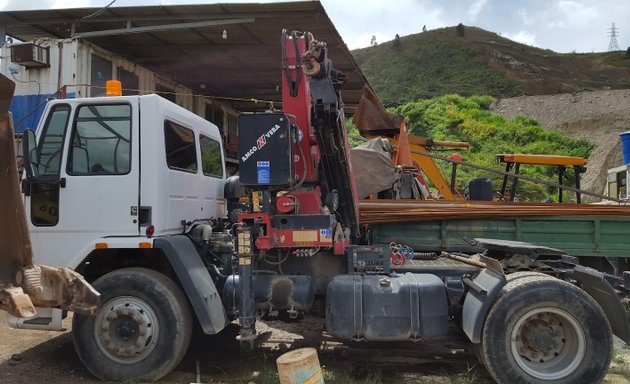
(582, 236)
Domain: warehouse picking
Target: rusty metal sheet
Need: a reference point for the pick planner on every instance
(15, 243)
(371, 117)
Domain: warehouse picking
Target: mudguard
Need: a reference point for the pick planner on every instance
(595, 284)
(195, 280)
(482, 291)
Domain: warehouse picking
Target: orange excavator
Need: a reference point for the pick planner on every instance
(24, 285)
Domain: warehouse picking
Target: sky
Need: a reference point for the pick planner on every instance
(560, 25)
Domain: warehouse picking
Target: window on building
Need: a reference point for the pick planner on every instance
(232, 125)
(214, 114)
(181, 153)
(100, 72)
(165, 92)
(130, 82)
(210, 156)
(101, 140)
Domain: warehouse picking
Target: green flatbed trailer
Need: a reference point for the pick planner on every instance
(601, 242)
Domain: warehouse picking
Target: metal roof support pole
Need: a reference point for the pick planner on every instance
(165, 27)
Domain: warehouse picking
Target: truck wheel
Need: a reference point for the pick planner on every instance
(141, 331)
(541, 330)
(522, 274)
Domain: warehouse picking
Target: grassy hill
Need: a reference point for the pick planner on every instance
(440, 62)
(456, 118)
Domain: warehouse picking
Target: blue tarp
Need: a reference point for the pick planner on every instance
(28, 109)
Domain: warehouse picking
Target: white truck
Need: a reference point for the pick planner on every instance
(107, 177)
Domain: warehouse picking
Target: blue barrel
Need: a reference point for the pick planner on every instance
(625, 146)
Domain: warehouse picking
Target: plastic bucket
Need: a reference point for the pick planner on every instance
(625, 146)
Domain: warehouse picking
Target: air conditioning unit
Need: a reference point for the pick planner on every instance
(30, 55)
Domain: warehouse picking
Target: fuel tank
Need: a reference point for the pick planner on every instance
(386, 307)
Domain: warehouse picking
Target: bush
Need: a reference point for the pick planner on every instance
(460, 30)
(456, 118)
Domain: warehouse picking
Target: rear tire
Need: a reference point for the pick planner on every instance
(142, 330)
(542, 330)
(523, 274)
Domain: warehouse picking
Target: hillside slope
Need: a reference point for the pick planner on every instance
(597, 116)
(440, 62)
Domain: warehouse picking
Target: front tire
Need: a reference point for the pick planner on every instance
(543, 330)
(142, 330)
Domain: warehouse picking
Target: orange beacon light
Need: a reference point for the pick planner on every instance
(113, 88)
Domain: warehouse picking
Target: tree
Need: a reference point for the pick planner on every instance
(460, 30)
(628, 52)
(373, 41)
(396, 43)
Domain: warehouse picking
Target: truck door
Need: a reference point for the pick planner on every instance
(88, 190)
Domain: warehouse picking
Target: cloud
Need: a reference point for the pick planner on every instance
(568, 13)
(358, 20)
(524, 17)
(364, 40)
(475, 9)
(523, 37)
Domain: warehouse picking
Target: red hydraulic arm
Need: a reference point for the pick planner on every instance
(329, 126)
(311, 93)
(297, 101)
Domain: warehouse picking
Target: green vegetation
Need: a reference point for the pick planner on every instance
(457, 118)
(471, 61)
(431, 64)
(460, 30)
(619, 59)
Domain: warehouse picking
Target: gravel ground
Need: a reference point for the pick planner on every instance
(597, 116)
(39, 356)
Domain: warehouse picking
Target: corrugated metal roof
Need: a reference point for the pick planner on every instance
(245, 65)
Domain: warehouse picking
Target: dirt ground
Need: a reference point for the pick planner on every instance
(40, 356)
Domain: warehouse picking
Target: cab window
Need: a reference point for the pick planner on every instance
(101, 140)
(210, 156)
(50, 146)
(45, 190)
(181, 152)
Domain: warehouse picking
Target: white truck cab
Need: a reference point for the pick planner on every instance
(116, 188)
(109, 169)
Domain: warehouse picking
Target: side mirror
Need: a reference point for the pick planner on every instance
(31, 157)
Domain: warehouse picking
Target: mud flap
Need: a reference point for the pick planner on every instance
(482, 291)
(595, 284)
(196, 281)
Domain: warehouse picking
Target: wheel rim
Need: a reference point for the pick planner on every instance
(126, 329)
(548, 343)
